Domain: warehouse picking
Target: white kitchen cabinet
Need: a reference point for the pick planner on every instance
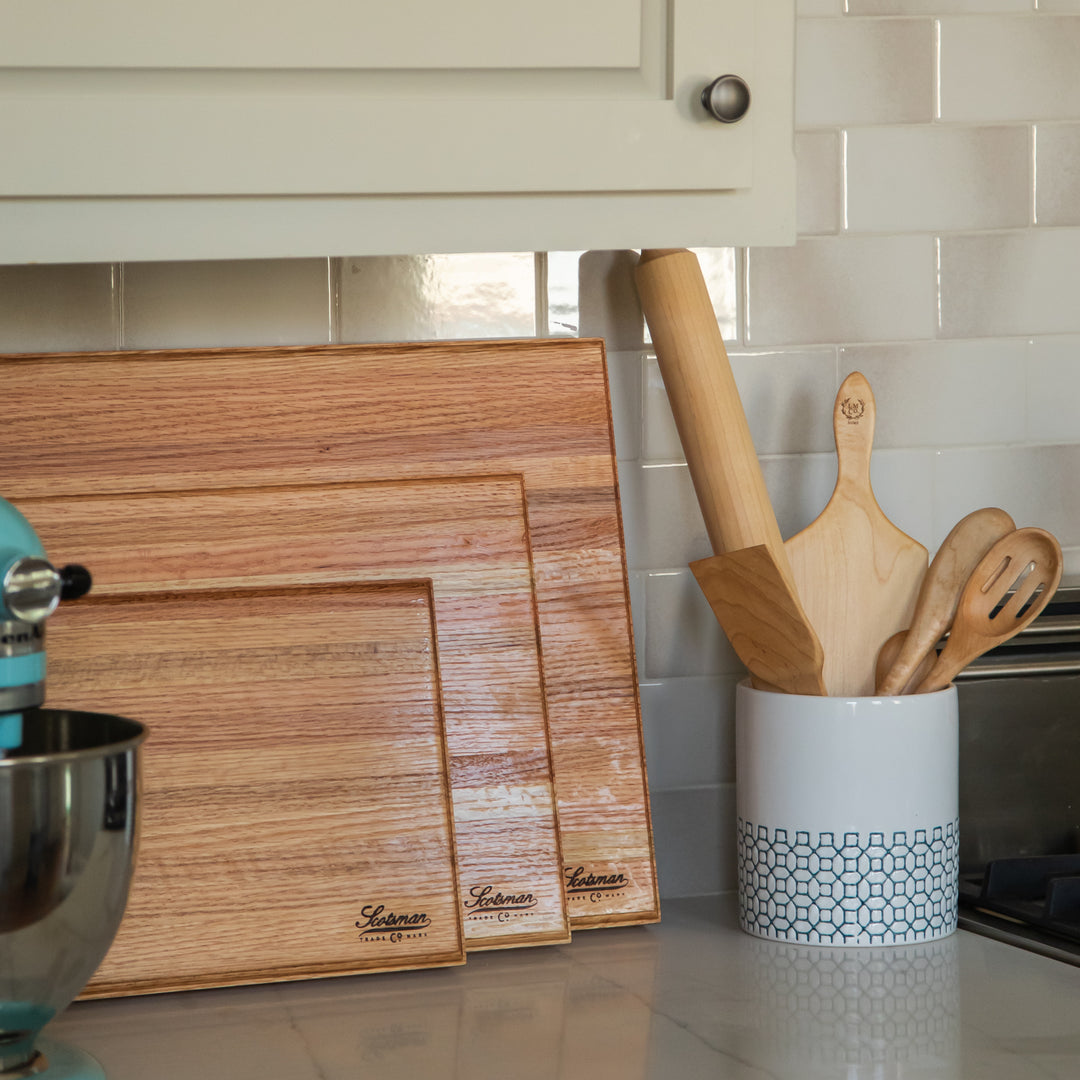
(139, 129)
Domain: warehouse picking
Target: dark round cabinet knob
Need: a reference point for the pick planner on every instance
(727, 98)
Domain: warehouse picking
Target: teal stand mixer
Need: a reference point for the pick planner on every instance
(68, 803)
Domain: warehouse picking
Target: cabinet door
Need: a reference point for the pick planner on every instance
(353, 103)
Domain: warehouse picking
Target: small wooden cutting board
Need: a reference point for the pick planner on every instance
(295, 790)
(470, 537)
(857, 574)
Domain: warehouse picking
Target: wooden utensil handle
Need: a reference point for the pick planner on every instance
(705, 402)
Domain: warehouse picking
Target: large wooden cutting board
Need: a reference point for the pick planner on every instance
(294, 781)
(470, 537)
(84, 423)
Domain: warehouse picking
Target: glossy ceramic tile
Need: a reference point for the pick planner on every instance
(426, 297)
(1053, 390)
(817, 162)
(661, 518)
(937, 7)
(1057, 174)
(998, 284)
(785, 394)
(923, 391)
(689, 728)
(682, 637)
(804, 8)
(58, 308)
(211, 304)
(624, 387)
(1034, 484)
(800, 487)
(694, 831)
(998, 68)
(719, 269)
(863, 71)
(842, 289)
(924, 178)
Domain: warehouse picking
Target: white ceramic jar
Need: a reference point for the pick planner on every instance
(847, 808)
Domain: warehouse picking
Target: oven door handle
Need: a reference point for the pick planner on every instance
(1000, 668)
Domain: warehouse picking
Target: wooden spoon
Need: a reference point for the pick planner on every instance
(856, 573)
(1013, 582)
(969, 541)
(891, 650)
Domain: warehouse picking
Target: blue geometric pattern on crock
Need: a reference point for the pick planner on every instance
(848, 888)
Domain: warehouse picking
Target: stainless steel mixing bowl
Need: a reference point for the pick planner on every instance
(68, 814)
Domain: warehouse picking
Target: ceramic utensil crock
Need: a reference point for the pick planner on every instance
(847, 817)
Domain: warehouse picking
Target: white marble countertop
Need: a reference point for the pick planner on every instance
(692, 997)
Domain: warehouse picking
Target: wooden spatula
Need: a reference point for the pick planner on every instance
(771, 634)
(857, 574)
(935, 608)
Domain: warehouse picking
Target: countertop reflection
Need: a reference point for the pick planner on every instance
(692, 997)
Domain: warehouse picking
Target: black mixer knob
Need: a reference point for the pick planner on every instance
(75, 581)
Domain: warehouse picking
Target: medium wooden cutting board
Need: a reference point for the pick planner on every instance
(469, 536)
(136, 421)
(294, 781)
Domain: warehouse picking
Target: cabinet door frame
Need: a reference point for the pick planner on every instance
(172, 174)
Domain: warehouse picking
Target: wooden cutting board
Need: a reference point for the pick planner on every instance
(295, 791)
(136, 421)
(469, 536)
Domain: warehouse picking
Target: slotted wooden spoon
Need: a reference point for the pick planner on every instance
(1013, 582)
(966, 544)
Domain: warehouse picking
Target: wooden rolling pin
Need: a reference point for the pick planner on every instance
(772, 636)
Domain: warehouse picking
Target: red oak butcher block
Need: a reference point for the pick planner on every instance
(176, 420)
(295, 809)
(469, 536)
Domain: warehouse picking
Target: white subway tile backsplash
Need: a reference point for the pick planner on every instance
(841, 289)
(863, 71)
(624, 386)
(1057, 174)
(799, 486)
(929, 178)
(689, 731)
(426, 297)
(817, 161)
(52, 308)
(783, 393)
(1052, 390)
(1034, 484)
(210, 304)
(682, 636)
(1011, 283)
(923, 391)
(661, 517)
(937, 7)
(694, 834)
(1001, 68)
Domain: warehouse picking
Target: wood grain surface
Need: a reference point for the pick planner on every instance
(85, 423)
(857, 573)
(294, 781)
(470, 537)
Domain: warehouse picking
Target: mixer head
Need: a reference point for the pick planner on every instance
(30, 589)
